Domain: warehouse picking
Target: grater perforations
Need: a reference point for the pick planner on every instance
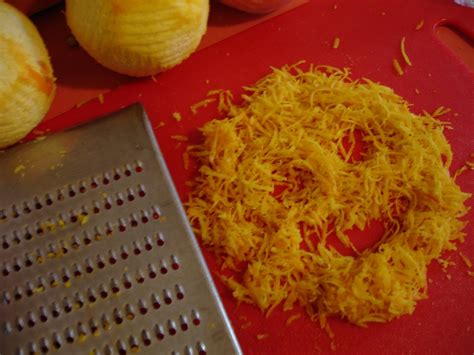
(98, 256)
(64, 193)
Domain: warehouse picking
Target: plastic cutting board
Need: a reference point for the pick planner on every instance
(370, 33)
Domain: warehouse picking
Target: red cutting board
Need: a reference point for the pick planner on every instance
(370, 33)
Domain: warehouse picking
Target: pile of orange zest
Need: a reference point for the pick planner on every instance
(262, 336)
(397, 67)
(404, 52)
(419, 25)
(101, 98)
(336, 43)
(276, 173)
(203, 103)
(179, 138)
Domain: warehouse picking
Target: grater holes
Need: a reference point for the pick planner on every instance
(82, 188)
(142, 307)
(31, 320)
(16, 238)
(201, 348)
(155, 301)
(6, 270)
(44, 345)
(71, 192)
(106, 324)
(60, 196)
(78, 301)
(129, 312)
(124, 252)
(67, 305)
(39, 230)
(55, 310)
(133, 344)
(7, 328)
(127, 283)
(146, 338)
(6, 298)
(138, 167)
(89, 268)
(159, 332)
(175, 263)
(183, 323)
(94, 183)
(27, 208)
(122, 225)
(118, 316)
(49, 201)
(81, 331)
(18, 294)
(15, 213)
(196, 317)
(57, 341)
(103, 293)
(87, 240)
(94, 327)
(152, 273)
(167, 297)
(3, 216)
(163, 268)
(38, 205)
(141, 191)
(16, 265)
(171, 325)
(179, 291)
(115, 286)
(92, 297)
(69, 335)
(43, 318)
(137, 249)
(20, 324)
(77, 270)
(121, 348)
(5, 244)
(139, 277)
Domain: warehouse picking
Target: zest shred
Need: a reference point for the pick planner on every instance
(276, 180)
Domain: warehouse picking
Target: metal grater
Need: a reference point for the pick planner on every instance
(97, 256)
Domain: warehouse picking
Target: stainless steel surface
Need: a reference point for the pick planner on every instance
(96, 255)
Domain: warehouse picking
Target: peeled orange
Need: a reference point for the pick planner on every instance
(138, 37)
(27, 83)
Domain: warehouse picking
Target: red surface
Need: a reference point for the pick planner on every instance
(370, 33)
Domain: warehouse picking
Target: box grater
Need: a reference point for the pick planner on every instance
(97, 256)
